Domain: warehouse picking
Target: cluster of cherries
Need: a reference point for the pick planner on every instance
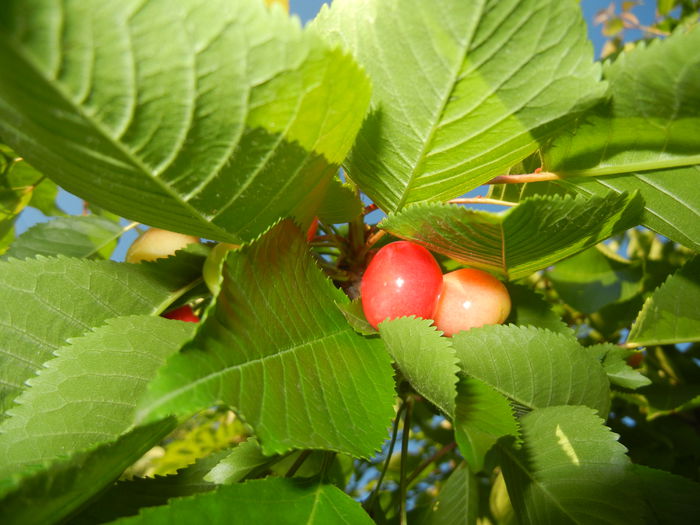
(404, 279)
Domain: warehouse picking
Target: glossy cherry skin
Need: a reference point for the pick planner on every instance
(470, 298)
(402, 279)
(184, 313)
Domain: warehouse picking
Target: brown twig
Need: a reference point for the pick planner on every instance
(528, 177)
(481, 200)
(432, 459)
(372, 239)
(369, 208)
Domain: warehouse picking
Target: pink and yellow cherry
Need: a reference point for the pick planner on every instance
(184, 313)
(470, 298)
(155, 243)
(402, 279)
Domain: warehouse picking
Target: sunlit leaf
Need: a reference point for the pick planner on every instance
(232, 124)
(461, 91)
(533, 367)
(54, 299)
(647, 138)
(276, 349)
(90, 236)
(537, 233)
(426, 359)
(87, 395)
(237, 463)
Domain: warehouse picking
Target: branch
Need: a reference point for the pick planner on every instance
(540, 176)
(432, 459)
(481, 200)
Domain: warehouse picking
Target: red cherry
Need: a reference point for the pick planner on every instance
(311, 232)
(470, 298)
(184, 313)
(635, 360)
(402, 279)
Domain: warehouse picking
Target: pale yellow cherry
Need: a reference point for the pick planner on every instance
(470, 298)
(155, 243)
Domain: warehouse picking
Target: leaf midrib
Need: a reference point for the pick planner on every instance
(535, 482)
(55, 86)
(146, 413)
(442, 106)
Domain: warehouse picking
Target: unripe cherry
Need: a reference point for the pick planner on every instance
(155, 243)
(402, 279)
(470, 298)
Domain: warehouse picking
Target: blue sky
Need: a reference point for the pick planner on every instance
(306, 10)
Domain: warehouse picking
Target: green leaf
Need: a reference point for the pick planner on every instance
(652, 121)
(89, 236)
(671, 199)
(462, 91)
(482, 417)
(15, 192)
(58, 489)
(426, 359)
(458, 500)
(276, 349)
(672, 499)
(87, 395)
(531, 308)
(570, 470)
(614, 360)
(232, 124)
(647, 138)
(520, 192)
(55, 299)
(272, 500)
(537, 233)
(128, 497)
(7, 238)
(671, 315)
(341, 204)
(238, 463)
(533, 367)
(355, 316)
(591, 280)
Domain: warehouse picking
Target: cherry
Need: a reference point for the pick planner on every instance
(311, 232)
(184, 313)
(402, 279)
(470, 298)
(155, 243)
(635, 360)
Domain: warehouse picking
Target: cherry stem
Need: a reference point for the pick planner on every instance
(432, 459)
(389, 453)
(403, 482)
(372, 239)
(297, 464)
(540, 176)
(481, 200)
